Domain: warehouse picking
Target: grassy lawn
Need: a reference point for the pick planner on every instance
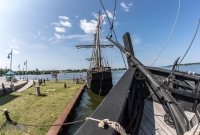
(26, 107)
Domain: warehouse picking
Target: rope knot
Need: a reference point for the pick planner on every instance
(116, 126)
(103, 122)
(127, 54)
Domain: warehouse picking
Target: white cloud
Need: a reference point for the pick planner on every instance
(43, 38)
(53, 23)
(14, 51)
(76, 16)
(63, 17)
(82, 38)
(57, 36)
(136, 39)
(89, 27)
(95, 15)
(13, 46)
(45, 26)
(126, 7)
(59, 29)
(39, 32)
(31, 34)
(66, 23)
(22, 46)
(110, 15)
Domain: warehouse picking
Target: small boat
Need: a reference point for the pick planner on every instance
(147, 101)
(99, 75)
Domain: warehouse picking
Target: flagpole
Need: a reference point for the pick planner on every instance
(11, 68)
(19, 71)
(26, 71)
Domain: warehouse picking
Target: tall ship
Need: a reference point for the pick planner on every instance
(99, 75)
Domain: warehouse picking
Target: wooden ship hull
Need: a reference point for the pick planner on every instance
(100, 82)
(148, 101)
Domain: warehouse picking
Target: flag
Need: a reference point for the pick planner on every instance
(19, 66)
(9, 55)
(101, 19)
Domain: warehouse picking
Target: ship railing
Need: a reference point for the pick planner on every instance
(101, 69)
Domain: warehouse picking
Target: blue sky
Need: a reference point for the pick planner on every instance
(45, 32)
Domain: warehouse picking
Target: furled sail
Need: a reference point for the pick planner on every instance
(93, 46)
(90, 59)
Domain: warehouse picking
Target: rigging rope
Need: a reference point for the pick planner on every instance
(106, 58)
(80, 58)
(112, 57)
(190, 43)
(169, 34)
(111, 26)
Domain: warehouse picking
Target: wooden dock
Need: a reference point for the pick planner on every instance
(153, 120)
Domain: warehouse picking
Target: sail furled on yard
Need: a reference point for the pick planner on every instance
(93, 46)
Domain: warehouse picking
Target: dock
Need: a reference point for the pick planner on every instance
(20, 85)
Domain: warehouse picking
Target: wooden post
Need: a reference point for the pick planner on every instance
(37, 90)
(7, 115)
(12, 87)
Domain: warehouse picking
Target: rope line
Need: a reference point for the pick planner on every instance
(80, 58)
(111, 27)
(33, 125)
(190, 43)
(169, 35)
(116, 126)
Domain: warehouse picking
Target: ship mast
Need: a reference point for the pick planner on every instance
(97, 48)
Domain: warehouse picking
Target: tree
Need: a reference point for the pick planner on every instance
(54, 74)
(1, 72)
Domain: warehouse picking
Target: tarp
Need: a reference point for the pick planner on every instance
(10, 73)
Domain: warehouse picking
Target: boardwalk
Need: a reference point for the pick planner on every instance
(28, 85)
(19, 82)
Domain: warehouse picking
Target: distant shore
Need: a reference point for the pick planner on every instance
(185, 64)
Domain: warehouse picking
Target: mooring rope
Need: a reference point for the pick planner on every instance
(169, 35)
(116, 126)
(34, 125)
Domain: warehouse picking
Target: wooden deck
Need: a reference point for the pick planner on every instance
(153, 120)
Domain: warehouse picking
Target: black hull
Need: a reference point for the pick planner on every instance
(100, 82)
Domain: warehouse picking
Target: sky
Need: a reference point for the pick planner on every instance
(45, 32)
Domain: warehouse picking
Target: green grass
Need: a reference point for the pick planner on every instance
(26, 107)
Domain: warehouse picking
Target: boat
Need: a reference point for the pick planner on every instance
(147, 101)
(99, 74)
